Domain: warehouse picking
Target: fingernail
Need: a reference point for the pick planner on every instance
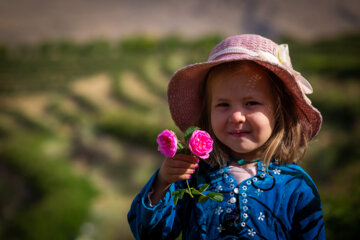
(196, 166)
(197, 160)
(189, 176)
(194, 170)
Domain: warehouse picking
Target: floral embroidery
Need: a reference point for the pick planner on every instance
(232, 186)
(225, 175)
(245, 208)
(243, 194)
(255, 179)
(248, 182)
(243, 224)
(220, 228)
(251, 232)
(245, 200)
(262, 175)
(261, 216)
(221, 171)
(245, 215)
(232, 193)
(277, 171)
(258, 192)
(228, 210)
(244, 188)
(218, 211)
(231, 180)
(218, 188)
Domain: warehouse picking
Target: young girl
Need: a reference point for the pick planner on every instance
(253, 104)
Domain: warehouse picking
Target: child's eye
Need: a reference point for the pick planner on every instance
(251, 103)
(222, 105)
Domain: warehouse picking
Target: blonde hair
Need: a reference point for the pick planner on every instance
(288, 142)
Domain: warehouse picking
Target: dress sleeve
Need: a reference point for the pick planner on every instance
(307, 221)
(160, 221)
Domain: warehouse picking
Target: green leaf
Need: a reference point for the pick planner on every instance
(215, 196)
(203, 187)
(180, 146)
(176, 198)
(189, 132)
(203, 199)
(195, 192)
(175, 192)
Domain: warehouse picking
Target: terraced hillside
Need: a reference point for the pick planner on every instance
(78, 124)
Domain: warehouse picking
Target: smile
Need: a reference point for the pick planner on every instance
(239, 133)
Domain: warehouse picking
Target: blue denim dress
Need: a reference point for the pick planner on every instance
(280, 202)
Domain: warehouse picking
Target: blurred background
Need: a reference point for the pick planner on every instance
(83, 97)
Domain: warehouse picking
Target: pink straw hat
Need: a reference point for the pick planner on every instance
(184, 87)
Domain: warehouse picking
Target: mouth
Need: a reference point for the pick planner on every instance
(239, 133)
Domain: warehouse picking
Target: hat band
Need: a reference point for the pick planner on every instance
(233, 50)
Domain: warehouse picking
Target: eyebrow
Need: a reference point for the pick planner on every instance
(223, 99)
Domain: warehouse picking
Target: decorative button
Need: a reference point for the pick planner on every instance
(236, 190)
(233, 200)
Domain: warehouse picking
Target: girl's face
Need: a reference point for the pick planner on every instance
(242, 109)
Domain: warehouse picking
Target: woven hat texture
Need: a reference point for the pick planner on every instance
(184, 86)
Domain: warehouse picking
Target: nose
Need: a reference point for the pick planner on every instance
(237, 117)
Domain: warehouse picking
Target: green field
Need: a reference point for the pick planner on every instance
(78, 123)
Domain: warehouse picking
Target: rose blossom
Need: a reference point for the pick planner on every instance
(201, 144)
(167, 143)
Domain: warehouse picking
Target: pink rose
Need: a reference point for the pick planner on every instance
(201, 144)
(167, 143)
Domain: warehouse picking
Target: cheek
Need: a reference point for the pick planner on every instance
(264, 123)
(216, 121)
(268, 126)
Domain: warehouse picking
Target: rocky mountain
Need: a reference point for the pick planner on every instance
(35, 20)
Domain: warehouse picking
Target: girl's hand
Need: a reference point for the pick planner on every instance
(180, 167)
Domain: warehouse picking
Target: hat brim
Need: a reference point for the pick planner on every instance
(185, 100)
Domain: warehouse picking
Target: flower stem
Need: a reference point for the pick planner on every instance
(187, 182)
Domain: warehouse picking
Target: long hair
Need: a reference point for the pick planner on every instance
(288, 142)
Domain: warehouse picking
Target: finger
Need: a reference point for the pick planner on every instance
(186, 158)
(180, 177)
(180, 171)
(174, 163)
